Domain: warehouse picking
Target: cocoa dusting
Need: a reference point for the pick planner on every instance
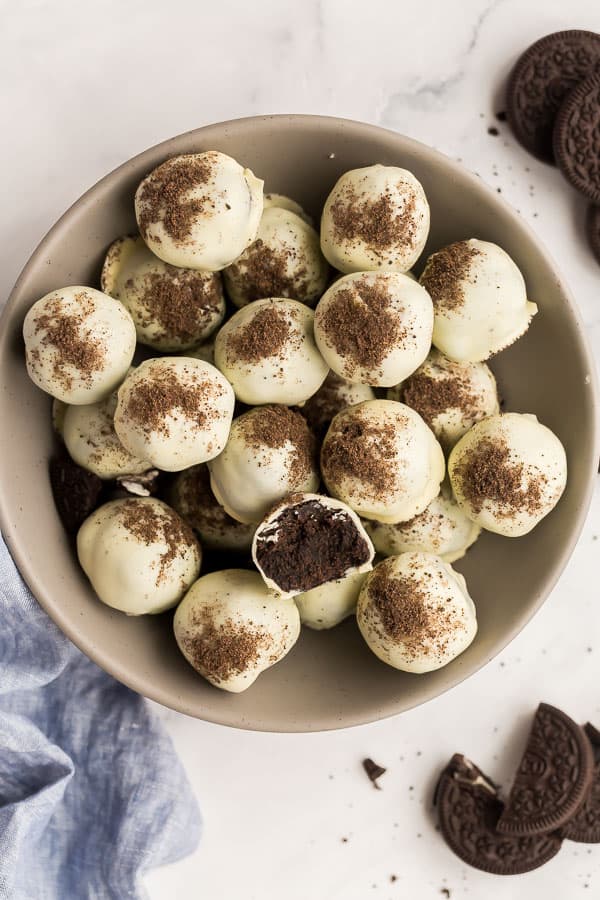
(151, 526)
(401, 604)
(445, 272)
(165, 195)
(182, 302)
(224, 650)
(405, 615)
(150, 402)
(361, 324)
(375, 222)
(487, 473)
(358, 449)
(432, 396)
(76, 346)
(264, 272)
(276, 426)
(266, 334)
(310, 544)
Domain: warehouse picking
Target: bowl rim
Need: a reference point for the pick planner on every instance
(154, 692)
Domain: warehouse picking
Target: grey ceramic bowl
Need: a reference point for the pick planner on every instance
(330, 679)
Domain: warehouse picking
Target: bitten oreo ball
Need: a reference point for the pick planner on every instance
(199, 210)
(79, 344)
(285, 260)
(172, 308)
(381, 459)
(374, 328)
(271, 452)
(174, 411)
(415, 613)
(230, 627)
(268, 353)
(375, 218)
(309, 540)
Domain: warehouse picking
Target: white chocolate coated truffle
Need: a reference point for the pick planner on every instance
(282, 202)
(191, 496)
(172, 308)
(334, 395)
(139, 555)
(382, 460)
(329, 604)
(271, 452)
(268, 353)
(230, 628)
(308, 540)
(374, 327)
(375, 218)
(479, 299)
(200, 210)
(508, 472)
(442, 529)
(450, 396)
(285, 260)
(91, 439)
(79, 343)
(174, 411)
(415, 613)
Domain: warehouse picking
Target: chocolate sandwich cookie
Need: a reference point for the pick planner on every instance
(576, 138)
(584, 827)
(553, 777)
(76, 491)
(541, 79)
(469, 809)
(592, 228)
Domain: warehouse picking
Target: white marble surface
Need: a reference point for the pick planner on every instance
(84, 86)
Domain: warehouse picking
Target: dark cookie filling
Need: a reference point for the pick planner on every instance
(310, 544)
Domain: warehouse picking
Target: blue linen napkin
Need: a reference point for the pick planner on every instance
(91, 791)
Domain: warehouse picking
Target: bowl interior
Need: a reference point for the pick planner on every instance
(330, 679)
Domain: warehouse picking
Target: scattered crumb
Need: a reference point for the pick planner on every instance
(344, 840)
(446, 892)
(501, 116)
(393, 878)
(493, 131)
(374, 771)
